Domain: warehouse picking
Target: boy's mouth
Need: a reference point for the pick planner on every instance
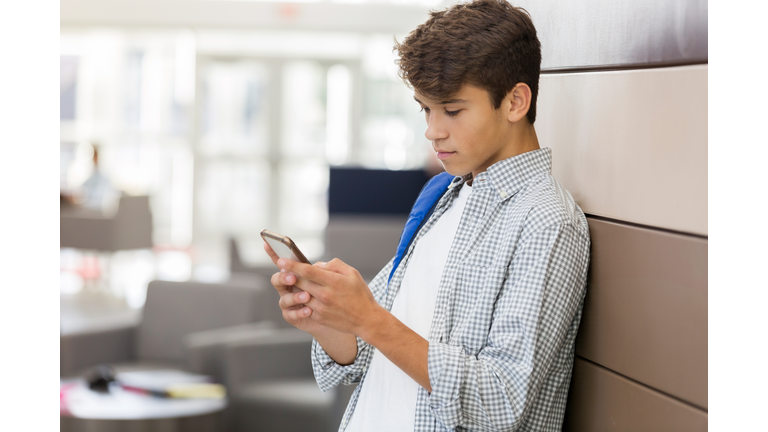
(444, 155)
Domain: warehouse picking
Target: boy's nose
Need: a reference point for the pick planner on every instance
(435, 130)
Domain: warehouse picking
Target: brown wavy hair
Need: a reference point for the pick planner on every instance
(486, 43)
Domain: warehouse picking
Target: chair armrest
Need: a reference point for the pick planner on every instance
(268, 310)
(273, 355)
(205, 349)
(81, 350)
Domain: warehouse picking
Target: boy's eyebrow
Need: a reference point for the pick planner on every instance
(450, 101)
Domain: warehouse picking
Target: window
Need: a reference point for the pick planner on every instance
(231, 132)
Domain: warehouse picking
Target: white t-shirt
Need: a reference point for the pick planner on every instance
(387, 399)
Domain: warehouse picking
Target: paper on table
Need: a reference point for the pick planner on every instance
(159, 380)
(197, 391)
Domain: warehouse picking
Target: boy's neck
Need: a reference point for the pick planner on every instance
(522, 139)
(525, 140)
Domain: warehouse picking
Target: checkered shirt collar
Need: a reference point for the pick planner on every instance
(508, 176)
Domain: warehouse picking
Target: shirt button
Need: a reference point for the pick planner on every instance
(503, 193)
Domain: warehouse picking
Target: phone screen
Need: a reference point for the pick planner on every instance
(280, 249)
(283, 246)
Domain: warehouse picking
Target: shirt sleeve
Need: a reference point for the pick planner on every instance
(328, 373)
(537, 304)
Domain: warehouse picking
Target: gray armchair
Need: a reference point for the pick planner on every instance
(272, 386)
(206, 349)
(172, 311)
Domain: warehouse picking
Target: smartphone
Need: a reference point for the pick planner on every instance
(283, 246)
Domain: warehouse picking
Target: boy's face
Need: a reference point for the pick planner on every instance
(466, 132)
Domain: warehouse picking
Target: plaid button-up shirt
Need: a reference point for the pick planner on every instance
(508, 307)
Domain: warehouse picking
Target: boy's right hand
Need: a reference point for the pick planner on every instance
(341, 347)
(292, 299)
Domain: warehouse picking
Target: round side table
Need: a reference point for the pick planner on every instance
(84, 410)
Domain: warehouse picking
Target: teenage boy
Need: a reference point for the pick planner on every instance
(472, 325)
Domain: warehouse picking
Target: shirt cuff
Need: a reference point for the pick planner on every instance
(321, 357)
(445, 365)
(328, 373)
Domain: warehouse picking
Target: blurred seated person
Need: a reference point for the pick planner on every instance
(95, 193)
(97, 190)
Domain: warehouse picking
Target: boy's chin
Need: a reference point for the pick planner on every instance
(454, 171)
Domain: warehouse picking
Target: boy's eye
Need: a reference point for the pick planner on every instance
(451, 113)
(448, 113)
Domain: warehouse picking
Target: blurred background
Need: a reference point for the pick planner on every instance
(226, 125)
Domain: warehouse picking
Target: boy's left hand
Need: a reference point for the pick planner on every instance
(340, 297)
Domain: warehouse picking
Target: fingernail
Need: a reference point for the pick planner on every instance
(306, 311)
(282, 270)
(322, 264)
(281, 263)
(304, 297)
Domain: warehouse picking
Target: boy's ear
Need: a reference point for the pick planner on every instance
(517, 102)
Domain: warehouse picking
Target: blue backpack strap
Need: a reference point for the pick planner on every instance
(423, 207)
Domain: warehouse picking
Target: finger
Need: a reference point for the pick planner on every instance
(278, 281)
(338, 266)
(291, 300)
(294, 315)
(287, 278)
(285, 281)
(271, 253)
(307, 285)
(312, 273)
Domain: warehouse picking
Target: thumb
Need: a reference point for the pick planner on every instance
(338, 266)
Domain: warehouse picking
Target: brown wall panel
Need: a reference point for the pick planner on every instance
(584, 34)
(601, 400)
(645, 314)
(630, 145)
